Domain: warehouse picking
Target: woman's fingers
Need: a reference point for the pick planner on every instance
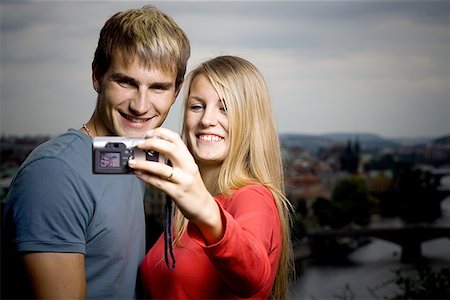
(166, 134)
(158, 169)
(161, 176)
(169, 143)
(182, 179)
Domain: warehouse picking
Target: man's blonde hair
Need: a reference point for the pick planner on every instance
(148, 34)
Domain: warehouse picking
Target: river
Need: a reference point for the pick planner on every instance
(366, 268)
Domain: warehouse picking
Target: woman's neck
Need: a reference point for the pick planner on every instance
(209, 174)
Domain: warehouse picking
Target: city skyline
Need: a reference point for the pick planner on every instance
(379, 67)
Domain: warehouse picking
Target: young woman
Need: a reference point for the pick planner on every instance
(232, 233)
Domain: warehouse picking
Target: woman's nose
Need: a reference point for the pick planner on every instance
(209, 118)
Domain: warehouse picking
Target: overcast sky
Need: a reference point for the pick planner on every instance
(332, 66)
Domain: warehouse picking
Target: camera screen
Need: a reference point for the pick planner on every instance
(110, 160)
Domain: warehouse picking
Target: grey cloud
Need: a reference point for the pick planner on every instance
(377, 59)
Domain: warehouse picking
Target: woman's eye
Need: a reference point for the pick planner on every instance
(197, 107)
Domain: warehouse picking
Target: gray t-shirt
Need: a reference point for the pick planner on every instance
(56, 204)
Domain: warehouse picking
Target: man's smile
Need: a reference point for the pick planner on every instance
(134, 119)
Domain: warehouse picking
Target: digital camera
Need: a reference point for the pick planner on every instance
(110, 154)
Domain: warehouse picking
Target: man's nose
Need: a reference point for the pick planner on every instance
(140, 103)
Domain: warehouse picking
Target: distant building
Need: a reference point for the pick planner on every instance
(350, 157)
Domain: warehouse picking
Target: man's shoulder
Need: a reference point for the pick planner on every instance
(69, 140)
(68, 148)
(65, 145)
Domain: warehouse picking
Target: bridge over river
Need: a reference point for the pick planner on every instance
(408, 236)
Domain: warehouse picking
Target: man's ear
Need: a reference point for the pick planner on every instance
(177, 91)
(95, 80)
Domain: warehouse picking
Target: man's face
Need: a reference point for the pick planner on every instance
(132, 99)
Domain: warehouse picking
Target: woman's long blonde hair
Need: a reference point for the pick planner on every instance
(254, 149)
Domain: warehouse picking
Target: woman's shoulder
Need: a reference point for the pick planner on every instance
(252, 189)
(253, 195)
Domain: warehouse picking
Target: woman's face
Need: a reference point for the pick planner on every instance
(206, 123)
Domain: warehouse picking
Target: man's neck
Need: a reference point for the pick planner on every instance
(96, 126)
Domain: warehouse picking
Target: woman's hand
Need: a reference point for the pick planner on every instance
(182, 181)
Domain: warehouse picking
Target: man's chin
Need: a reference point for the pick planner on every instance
(132, 132)
(135, 133)
(126, 128)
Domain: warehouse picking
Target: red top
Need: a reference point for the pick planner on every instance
(243, 264)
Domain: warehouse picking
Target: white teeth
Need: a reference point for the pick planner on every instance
(210, 138)
(135, 120)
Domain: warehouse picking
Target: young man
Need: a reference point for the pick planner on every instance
(70, 233)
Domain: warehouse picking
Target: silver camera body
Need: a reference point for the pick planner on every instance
(110, 154)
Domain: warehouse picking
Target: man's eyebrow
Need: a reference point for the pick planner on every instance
(117, 76)
(158, 84)
(162, 84)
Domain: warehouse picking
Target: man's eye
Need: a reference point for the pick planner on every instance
(125, 83)
(159, 88)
